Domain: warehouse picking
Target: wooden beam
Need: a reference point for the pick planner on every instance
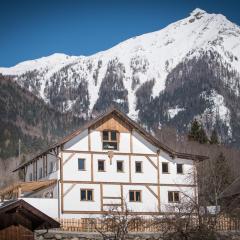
(69, 158)
(127, 183)
(122, 203)
(150, 190)
(89, 139)
(106, 153)
(130, 168)
(158, 181)
(105, 212)
(69, 189)
(150, 160)
(92, 172)
(101, 196)
(108, 197)
(61, 181)
(112, 204)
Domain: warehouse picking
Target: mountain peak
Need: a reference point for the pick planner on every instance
(197, 12)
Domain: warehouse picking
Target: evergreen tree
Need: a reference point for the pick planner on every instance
(214, 137)
(194, 131)
(202, 136)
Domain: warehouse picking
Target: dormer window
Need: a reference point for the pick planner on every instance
(110, 140)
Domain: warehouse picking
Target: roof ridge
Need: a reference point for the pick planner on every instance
(134, 124)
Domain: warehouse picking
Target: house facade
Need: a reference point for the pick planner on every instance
(110, 162)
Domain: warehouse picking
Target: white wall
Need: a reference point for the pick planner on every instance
(141, 145)
(72, 200)
(47, 206)
(70, 168)
(149, 172)
(183, 193)
(79, 142)
(173, 177)
(111, 174)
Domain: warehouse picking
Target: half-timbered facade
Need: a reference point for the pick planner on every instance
(107, 163)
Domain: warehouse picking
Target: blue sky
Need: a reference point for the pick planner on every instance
(31, 29)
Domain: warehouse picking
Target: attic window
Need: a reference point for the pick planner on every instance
(110, 140)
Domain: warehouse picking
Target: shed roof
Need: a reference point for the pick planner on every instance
(22, 213)
(27, 186)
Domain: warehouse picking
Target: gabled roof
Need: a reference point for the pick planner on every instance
(10, 215)
(134, 125)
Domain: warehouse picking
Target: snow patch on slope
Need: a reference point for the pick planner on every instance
(172, 112)
(217, 111)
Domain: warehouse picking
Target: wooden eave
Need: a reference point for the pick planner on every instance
(21, 212)
(133, 125)
(27, 186)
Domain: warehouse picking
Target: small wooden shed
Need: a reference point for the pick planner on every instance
(19, 219)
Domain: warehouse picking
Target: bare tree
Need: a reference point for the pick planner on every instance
(116, 223)
(187, 220)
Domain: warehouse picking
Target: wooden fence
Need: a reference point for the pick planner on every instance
(223, 223)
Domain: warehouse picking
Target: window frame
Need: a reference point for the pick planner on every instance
(177, 168)
(163, 172)
(104, 165)
(84, 164)
(86, 194)
(120, 161)
(173, 196)
(110, 140)
(136, 162)
(134, 195)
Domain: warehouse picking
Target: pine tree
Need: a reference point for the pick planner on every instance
(194, 131)
(214, 137)
(202, 136)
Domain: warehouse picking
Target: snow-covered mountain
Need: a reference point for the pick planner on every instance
(190, 69)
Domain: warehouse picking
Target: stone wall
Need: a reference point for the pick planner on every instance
(63, 235)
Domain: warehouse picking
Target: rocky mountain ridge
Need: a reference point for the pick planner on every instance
(190, 69)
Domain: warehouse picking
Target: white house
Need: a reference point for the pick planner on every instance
(108, 162)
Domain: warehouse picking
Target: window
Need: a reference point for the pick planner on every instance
(51, 167)
(179, 168)
(173, 197)
(165, 168)
(138, 167)
(30, 177)
(135, 196)
(119, 166)
(86, 194)
(81, 164)
(101, 165)
(40, 174)
(110, 140)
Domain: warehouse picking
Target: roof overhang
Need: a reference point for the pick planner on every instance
(26, 187)
(22, 213)
(134, 125)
